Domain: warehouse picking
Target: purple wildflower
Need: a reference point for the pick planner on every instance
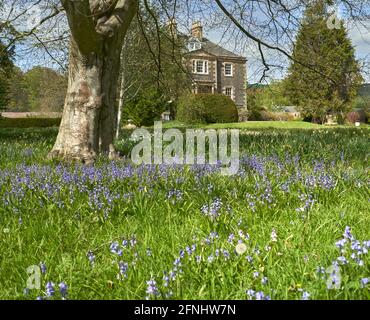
(50, 289)
(63, 289)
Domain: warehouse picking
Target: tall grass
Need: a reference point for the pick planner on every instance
(116, 231)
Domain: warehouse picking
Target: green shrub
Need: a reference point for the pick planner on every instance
(29, 122)
(206, 108)
(144, 109)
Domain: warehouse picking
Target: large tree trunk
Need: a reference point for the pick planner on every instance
(89, 116)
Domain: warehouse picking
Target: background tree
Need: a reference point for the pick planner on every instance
(45, 88)
(6, 67)
(330, 50)
(96, 30)
(156, 50)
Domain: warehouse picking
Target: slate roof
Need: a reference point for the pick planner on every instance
(215, 49)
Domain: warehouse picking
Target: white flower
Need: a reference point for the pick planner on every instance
(273, 235)
(241, 248)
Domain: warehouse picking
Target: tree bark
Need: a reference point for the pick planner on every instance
(89, 116)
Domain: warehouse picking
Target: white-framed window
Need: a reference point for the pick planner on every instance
(194, 45)
(200, 66)
(229, 91)
(229, 69)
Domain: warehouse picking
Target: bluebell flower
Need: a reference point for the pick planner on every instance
(306, 296)
(152, 289)
(50, 289)
(123, 267)
(342, 260)
(115, 249)
(91, 257)
(63, 289)
(264, 280)
(341, 243)
(251, 293)
(210, 259)
(133, 242)
(43, 267)
(347, 233)
(260, 295)
(364, 282)
(166, 280)
(321, 270)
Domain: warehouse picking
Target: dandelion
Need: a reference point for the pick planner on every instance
(241, 248)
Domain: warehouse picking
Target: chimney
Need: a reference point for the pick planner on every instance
(197, 30)
(172, 28)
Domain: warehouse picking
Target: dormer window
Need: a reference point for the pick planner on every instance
(194, 45)
(200, 66)
(229, 69)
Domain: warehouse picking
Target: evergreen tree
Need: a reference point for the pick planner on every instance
(6, 66)
(329, 51)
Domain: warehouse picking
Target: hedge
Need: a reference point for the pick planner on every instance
(206, 108)
(29, 122)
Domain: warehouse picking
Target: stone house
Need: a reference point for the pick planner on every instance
(214, 69)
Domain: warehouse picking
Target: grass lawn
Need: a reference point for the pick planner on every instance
(117, 231)
(259, 125)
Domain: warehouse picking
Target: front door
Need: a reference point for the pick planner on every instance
(205, 89)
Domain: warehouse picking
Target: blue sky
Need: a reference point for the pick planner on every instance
(360, 37)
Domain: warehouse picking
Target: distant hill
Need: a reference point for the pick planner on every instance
(365, 90)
